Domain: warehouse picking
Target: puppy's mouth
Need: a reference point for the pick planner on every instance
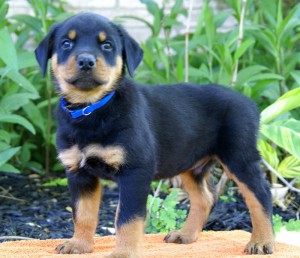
(86, 83)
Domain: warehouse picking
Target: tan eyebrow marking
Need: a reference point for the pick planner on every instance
(72, 34)
(102, 36)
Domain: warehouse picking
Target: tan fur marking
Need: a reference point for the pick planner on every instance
(71, 158)
(85, 217)
(262, 232)
(113, 156)
(201, 200)
(129, 239)
(72, 34)
(74, 95)
(86, 214)
(102, 36)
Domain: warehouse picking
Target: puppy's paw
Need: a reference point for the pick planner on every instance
(74, 246)
(179, 237)
(255, 247)
(123, 254)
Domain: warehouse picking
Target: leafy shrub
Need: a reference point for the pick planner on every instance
(163, 214)
(268, 64)
(291, 225)
(26, 126)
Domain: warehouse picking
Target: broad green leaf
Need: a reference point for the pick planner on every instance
(4, 146)
(266, 76)
(243, 48)
(22, 81)
(284, 134)
(267, 39)
(246, 73)
(279, 14)
(9, 168)
(268, 153)
(33, 22)
(296, 75)
(26, 59)
(153, 8)
(57, 182)
(269, 9)
(220, 18)
(8, 154)
(35, 116)
(285, 26)
(177, 7)
(15, 101)
(16, 119)
(43, 104)
(180, 70)
(8, 52)
(286, 102)
(289, 167)
(40, 7)
(163, 57)
(3, 11)
(200, 22)
(225, 57)
(5, 136)
(210, 26)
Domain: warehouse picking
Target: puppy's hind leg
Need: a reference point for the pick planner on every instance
(254, 188)
(201, 201)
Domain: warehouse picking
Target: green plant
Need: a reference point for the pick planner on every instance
(293, 225)
(160, 186)
(15, 91)
(290, 225)
(229, 197)
(57, 182)
(267, 58)
(284, 132)
(163, 215)
(27, 130)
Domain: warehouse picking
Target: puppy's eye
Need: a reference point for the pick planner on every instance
(107, 46)
(67, 44)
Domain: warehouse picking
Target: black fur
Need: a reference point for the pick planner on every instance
(164, 129)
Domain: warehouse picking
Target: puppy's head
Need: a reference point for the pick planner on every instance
(88, 55)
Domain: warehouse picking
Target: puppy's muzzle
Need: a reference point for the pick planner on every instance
(86, 62)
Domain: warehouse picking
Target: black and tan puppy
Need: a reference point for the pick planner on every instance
(112, 127)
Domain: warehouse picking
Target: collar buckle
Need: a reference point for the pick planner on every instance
(87, 111)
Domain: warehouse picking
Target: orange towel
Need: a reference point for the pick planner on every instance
(214, 244)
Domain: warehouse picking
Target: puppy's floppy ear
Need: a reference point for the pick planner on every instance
(44, 50)
(132, 52)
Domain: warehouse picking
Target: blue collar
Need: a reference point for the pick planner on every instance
(88, 109)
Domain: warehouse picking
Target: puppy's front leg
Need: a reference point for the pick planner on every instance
(134, 187)
(85, 193)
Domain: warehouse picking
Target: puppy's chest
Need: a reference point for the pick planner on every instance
(93, 149)
(93, 157)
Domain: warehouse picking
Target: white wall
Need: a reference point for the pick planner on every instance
(114, 8)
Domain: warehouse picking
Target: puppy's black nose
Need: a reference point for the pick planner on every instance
(86, 62)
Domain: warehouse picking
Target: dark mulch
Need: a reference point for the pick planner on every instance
(44, 212)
